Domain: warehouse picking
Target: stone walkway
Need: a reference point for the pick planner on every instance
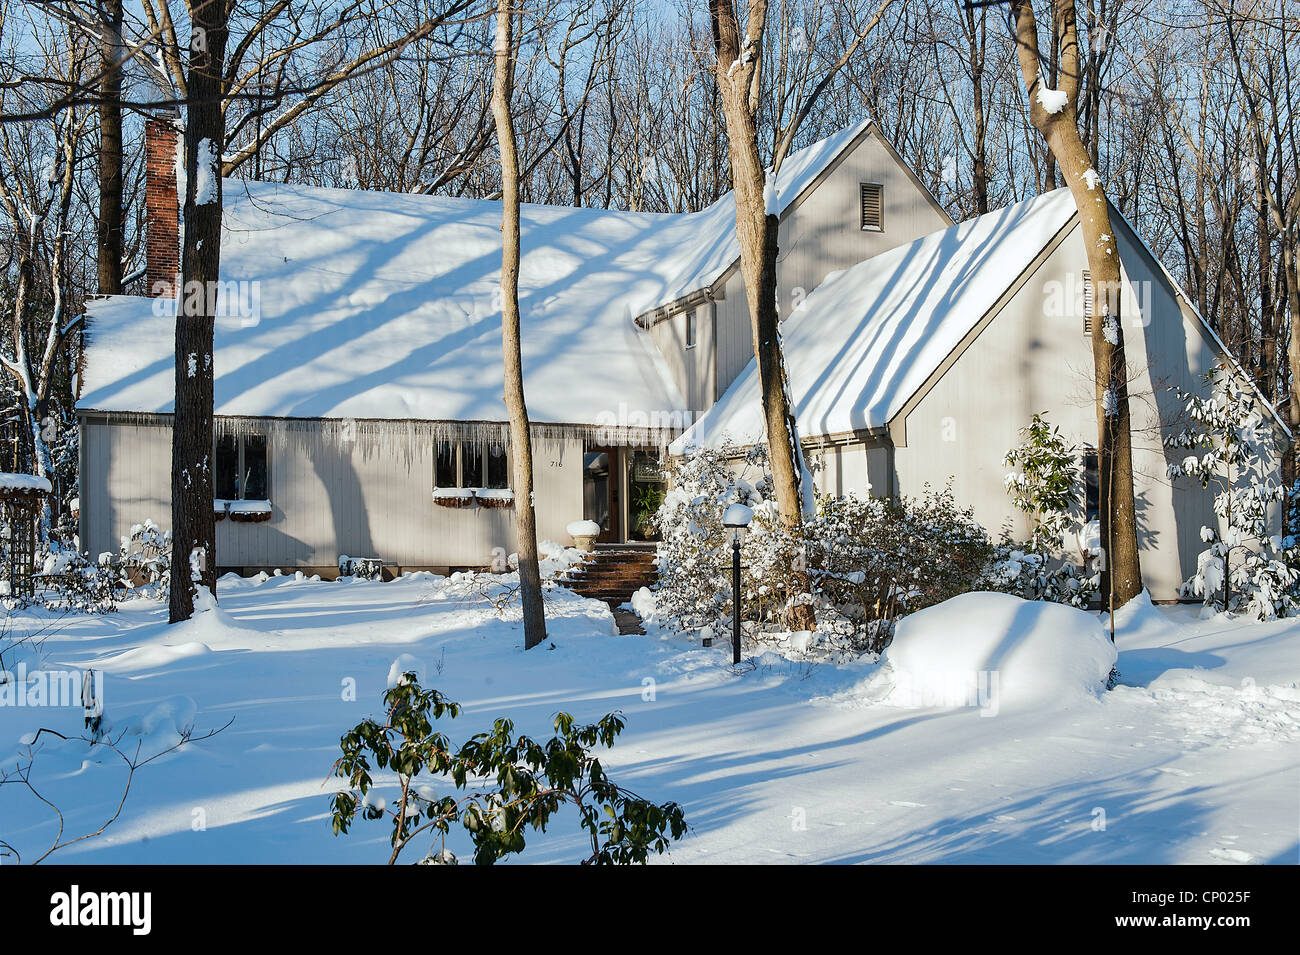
(628, 622)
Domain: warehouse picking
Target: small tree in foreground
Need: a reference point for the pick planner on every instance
(1046, 490)
(499, 786)
(1244, 567)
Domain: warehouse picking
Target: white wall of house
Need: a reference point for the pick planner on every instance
(1027, 360)
(850, 467)
(366, 498)
(820, 234)
(691, 363)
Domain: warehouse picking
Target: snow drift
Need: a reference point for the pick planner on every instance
(995, 651)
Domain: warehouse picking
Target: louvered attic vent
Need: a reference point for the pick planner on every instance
(1087, 302)
(873, 207)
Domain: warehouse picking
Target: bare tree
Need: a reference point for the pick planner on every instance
(1054, 113)
(1262, 67)
(534, 610)
(111, 213)
(133, 759)
(193, 523)
(39, 166)
(739, 74)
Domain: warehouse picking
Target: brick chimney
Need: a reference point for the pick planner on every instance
(162, 209)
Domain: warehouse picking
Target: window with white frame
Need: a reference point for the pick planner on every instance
(240, 471)
(471, 464)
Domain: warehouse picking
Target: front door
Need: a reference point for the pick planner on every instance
(645, 492)
(601, 483)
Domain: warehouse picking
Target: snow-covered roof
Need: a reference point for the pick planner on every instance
(382, 305)
(862, 343)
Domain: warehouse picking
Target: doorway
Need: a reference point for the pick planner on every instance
(645, 492)
(601, 486)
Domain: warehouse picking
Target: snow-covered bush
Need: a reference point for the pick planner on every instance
(867, 560)
(69, 581)
(873, 560)
(144, 560)
(1011, 654)
(694, 558)
(1243, 567)
(1016, 569)
(1046, 486)
(363, 568)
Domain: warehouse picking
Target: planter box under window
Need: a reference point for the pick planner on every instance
(249, 512)
(453, 497)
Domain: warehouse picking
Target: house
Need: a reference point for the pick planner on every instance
(358, 370)
(921, 364)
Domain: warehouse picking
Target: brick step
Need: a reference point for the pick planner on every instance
(612, 580)
(614, 598)
(607, 573)
(613, 574)
(617, 561)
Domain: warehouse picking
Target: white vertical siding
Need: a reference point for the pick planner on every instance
(1029, 361)
(823, 234)
(691, 366)
(366, 498)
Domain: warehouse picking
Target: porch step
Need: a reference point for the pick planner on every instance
(613, 573)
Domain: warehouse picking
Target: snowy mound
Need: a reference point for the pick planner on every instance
(995, 650)
(1139, 620)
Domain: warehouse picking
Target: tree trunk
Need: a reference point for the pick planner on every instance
(738, 70)
(110, 152)
(530, 580)
(193, 525)
(980, 174)
(1123, 574)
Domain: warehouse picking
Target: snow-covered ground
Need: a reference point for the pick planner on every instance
(1195, 757)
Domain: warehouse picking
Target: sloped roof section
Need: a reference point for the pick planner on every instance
(381, 305)
(868, 337)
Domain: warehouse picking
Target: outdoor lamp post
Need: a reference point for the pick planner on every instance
(736, 522)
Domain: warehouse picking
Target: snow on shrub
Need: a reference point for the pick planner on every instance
(694, 559)
(997, 651)
(70, 582)
(868, 560)
(1244, 567)
(874, 559)
(145, 558)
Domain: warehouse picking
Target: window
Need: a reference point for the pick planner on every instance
(240, 472)
(873, 207)
(1087, 302)
(690, 329)
(471, 464)
(1091, 487)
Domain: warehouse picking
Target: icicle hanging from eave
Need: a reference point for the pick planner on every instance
(369, 437)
